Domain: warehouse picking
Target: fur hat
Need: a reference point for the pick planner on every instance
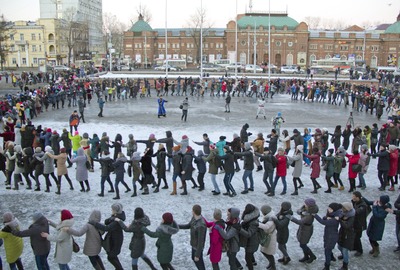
(309, 202)
(265, 209)
(168, 218)
(37, 216)
(65, 214)
(285, 206)
(247, 146)
(392, 147)
(300, 147)
(117, 207)
(38, 149)
(235, 212)
(347, 206)
(364, 147)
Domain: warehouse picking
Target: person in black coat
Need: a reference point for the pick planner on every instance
(346, 137)
(106, 168)
(248, 234)
(229, 167)
(117, 145)
(244, 135)
(281, 221)
(187, 168)
(114, 237)
(201, 168)
(273, 141)
(39, 244)
(269, 165)
(169, 143)
(360, 221)
(148, 177)
(397, 213)
(331, 234)
(161, 168)
(383, 166)
(205, 143)
(346, 233)
(236, 146)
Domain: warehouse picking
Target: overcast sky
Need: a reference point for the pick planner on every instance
(219, 12)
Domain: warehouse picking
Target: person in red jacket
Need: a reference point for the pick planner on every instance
(353, 160)
(393, 156)
(280, 171)
(315, 159)
(7, 135)
(216, 240)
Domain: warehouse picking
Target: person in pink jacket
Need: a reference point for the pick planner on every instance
(353, 160)
(216, 240)
(393, 157)
(315, 159)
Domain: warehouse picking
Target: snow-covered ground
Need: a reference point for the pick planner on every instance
(205, 115)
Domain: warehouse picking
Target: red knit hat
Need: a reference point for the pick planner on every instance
(168, 218)
(65, 214)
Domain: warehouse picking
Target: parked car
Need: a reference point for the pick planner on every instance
(319, 71)
(170, 68)
(60, 68)
(209, 67)
(265, 67)
(252, 68)
(232, 66)
(289, 69)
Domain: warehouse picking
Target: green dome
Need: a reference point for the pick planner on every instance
(393, 29)
(140, 26)
(279, 21)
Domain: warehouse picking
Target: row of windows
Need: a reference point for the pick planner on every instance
(22, 36)
(23, 60)
(23, 48)
(343, 47)
(177, 46)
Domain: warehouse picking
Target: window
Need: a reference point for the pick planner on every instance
(12, 48)
(328, 47)
(24, 61)
(359, 58)
(35, 61)
(206, 45)
(374, 48)
(21, 37)
(374, 61)
(39, 36)
(313, 46)
(289, 59)
(33, 48)
(33, 36)
(278, 43)
(344, 47)
(290, 44)
(22, 48)
(243, 42)
(40, 48)
(11, 37)
(14, 61)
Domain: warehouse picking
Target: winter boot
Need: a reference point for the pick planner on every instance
(82, 187)
(134, 267)
(344, 266)
(305, 258)
(71, 187)
(149, 263)
(327, 267)
(311, 257)
(184, 188)
(134, 191)
(376, 252)
(165, 184)
(145, 191)
(87, 186)
(286, 260)
(173, 189)
(58, 189)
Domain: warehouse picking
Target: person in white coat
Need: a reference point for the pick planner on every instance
(63, 252)
(268, 225)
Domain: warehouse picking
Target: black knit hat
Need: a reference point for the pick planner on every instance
(335, 206)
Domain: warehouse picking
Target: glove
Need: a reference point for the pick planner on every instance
(289, 217)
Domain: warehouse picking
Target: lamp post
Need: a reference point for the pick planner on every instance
(236, 41)
(255, 45)
(166, 39)
(269, 42)
(201, 41)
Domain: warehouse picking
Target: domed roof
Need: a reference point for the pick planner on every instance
(393, 29)
(140, 26)
(277, 20)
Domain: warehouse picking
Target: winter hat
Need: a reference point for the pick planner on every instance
(317, 130)
(235, 212)
(152, 136)
(266, 149)
(85, 135)
(130, 136)
(36, 216)
(364, 147)
(168, 218)
(189, 149)
(48, 130)
(136, 156)
(265, 209)
(212, 146)
(104, 134)
(280, 149)
(285, 206)
(235, 136)
(221, 138)
(247, 146)
(309, 202)
(392, 147)
(8, 217)
(139, 213)
(384, 199)
(335, 206)
(184, 137)
(48, 148)
(65, 214)
(117, 207)
(38, 149)
(295, 131)
(54, 131)
(200, 153)
(279, 114)
(176, 148)
(347, 206)
(331, 151)
(300, 147)
(76, 133)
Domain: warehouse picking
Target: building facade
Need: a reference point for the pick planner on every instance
(88, 12)
(292, 43)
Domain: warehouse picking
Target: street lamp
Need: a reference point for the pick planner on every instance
(269, 42)
(236, 41)
(201, 41)
(166, 39)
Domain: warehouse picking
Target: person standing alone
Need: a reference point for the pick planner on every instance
(184, 107)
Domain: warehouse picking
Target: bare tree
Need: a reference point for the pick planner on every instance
(312, 22)
(5, 32)
(145, 12)
(111, 25)
(195, 24)
(73, 34)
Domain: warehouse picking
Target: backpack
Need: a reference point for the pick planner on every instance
(110, 167)
(263, 237)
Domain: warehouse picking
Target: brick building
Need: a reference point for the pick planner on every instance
(292, 43)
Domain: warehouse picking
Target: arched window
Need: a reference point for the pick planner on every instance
(51, 37)
(327, 56)
(359, 58)
(343, 57)
(289, 59)
(312, 58)
(243, 58)
(52, 49)
(374, 61)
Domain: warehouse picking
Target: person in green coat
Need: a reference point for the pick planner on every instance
(165, 247)
(76, 139)
(329, 165)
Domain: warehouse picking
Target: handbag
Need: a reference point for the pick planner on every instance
(356, 168)
(75, 246)
(88, 166)
(105, 243)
